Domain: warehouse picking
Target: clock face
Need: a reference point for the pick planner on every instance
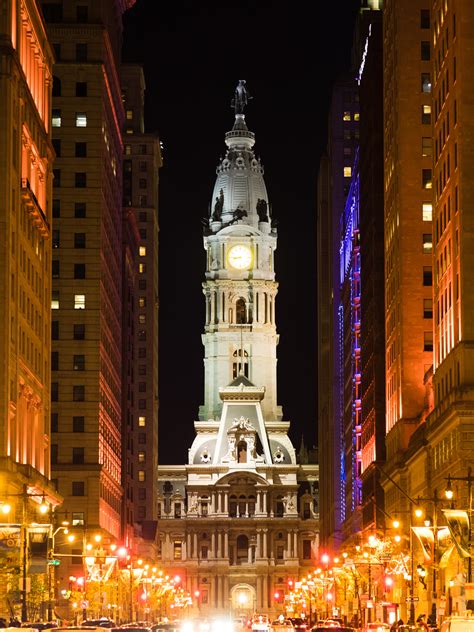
(240, 257)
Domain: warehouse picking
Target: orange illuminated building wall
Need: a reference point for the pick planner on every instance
(408, 198)
(26, 157)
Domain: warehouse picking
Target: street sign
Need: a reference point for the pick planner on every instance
(54, 562)
(412, 599)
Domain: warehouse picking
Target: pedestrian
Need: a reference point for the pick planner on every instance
(421, 623)
(3, 623)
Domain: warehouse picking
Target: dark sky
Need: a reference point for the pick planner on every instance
(193, 54)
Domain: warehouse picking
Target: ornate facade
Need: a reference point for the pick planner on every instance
(240, 518)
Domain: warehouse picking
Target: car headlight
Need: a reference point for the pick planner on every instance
(222, 625)
(187, 626)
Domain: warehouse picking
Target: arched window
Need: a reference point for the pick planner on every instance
(239, 363)
(242, 549)
(56, 87)
(233, 507)
(242, 452)
(240, 312)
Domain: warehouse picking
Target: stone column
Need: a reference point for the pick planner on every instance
(189, 552)
(259, 544)
(295, 543)
(226, 503)
(265, 509)
(265, 542)
(219, 544)
(213, 544)
(288, 544)
(195, 545)
(226, 545)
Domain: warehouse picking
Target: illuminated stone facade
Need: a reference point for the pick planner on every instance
(26, 156)
(240, 518)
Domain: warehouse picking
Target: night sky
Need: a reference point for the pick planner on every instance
(193, 55)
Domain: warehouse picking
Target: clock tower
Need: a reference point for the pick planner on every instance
(240, 337)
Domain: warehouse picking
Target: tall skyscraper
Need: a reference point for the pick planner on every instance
(88, 117)
(408, 215)
(239, 521)
(142, 162)
(333, 187)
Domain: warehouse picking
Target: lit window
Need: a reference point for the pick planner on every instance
(56, 119)
(426, 114)
(79, 301)
(427, 211)
(141, 457)
(177, 550)
(347, 172)
(426, 146)
(142, 251)
(128, 150)
(346, 116)
(141, 475)
(425, 82)
(129, 114)
(427, 308)
(142, 319)
(427, 182)
(428, 341)
(55, 300)
(141, 268)
(427, 244)
(81, 119)
(142, 301)
(142, 422)
(356, 116)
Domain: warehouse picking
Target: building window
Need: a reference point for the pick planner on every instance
(356, 116)
(79, 301)
(79, 270)
(142, 183)
(306, 549)
(79, 240)
(426, 114)
(79, 209)
(82, 13)
(142, 216)
(142, 301)
(79, 393)
(142, 352)
(346, 116)
(55, 330)
(81, 119)
(427, 243)
(142, 284)
(129, 115)
(56, 239)
(427, 308)
(54, 454)
(81, 88)
(54, 361)
(56, 177)
(427, 211)
(55, 299)
(142, 200)
(78, 423)
(142, 387)
(141, 476)
(142, 493)
(426, 180)
(55, 268)
(141, 268)
(142, 251)
(79, 362)
(427, 276)
(141, 513)
(142, 319)
(54, 391)
(143, 150)
(142, 421)
(81, 150)
(56, 118)
(425, 82)
(54, 422)
(80, 180)
(347, 172)
(78, 488)
(425, 18)
(78, 456)
(56, 208)
(428, 341)
(77, 519)
(141, 404)
(426, 146)
(57, 147)
(425, 51)
(79, 331)
(142, 438)
(177, 549)
(141, 457)
(142, 369)
(81, 52)
(128, 150)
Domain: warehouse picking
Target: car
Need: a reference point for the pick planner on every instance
(376, 626)
(282, 625)
(166, 627)
(102, 622)
(299, 623)
(458, 623)
(260, 623)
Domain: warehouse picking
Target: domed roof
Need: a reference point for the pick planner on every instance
(239, 193)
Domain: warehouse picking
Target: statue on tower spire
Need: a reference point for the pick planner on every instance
(241, 97)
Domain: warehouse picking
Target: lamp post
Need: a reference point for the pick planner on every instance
(51, 563)
(469, 479)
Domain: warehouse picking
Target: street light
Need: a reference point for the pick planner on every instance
(469, 479)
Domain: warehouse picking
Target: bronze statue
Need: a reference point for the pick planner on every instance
(261, 209)
(218, 206)
(241, 97)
